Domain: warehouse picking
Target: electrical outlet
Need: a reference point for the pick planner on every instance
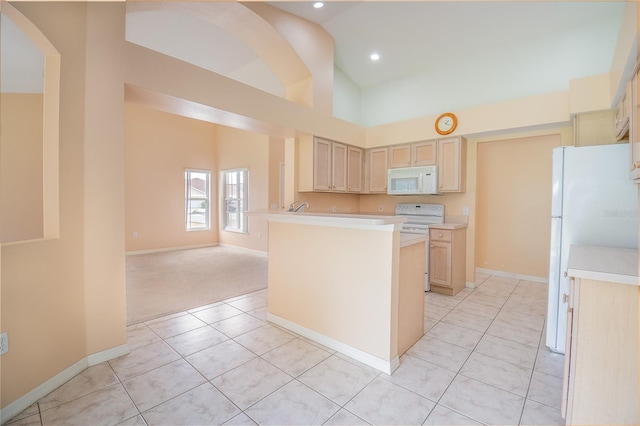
(380, 208)
(465, 210)
(333, 209)
(135, 234)
(4, 343)
(259, 235)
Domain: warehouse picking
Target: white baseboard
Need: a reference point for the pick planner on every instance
(514, 275)
(20, 404)
(160, 250)
(249, 250)
(109, 354)
(387, 367)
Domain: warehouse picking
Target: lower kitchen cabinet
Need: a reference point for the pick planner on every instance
(601, 361)
(447, 264)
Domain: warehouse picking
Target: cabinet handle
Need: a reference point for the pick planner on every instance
(440, 234)
(432, 246)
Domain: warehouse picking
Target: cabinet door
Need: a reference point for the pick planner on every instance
(622, 113)
(634, 133)
(564, 403)
(424, 153)
(339, 167)
(354, 169)
(378, 170)
(440, 264)
(322, 154)
(449, 165)
(399, 156)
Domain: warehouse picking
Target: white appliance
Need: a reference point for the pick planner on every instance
(412, 180)
(593, 202)
(419, 217)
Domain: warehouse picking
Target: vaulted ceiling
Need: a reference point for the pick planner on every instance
(455, 54)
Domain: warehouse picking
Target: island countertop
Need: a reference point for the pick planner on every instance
(330, 219)
(617, 265)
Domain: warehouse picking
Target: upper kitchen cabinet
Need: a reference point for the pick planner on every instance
(424, 153)
(355, 160)
(399, 156)
(595, 128)
(328, 166)
(415, 154)
(623, 111)
(452, 164)
(634, 133)
(377, 164)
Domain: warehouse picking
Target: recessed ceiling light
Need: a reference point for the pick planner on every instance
(374, 56)
(318, 4)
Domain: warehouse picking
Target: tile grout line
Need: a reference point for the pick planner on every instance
(458, 373)
(296, 378)
(463, 364)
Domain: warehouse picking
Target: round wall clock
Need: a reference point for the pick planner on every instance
(446, 123)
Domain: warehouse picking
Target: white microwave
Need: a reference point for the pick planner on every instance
(412, 180)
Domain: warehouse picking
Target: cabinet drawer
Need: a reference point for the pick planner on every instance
(440, 234)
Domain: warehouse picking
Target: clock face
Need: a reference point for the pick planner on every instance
(446, 123)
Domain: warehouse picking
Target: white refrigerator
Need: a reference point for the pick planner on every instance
(593, 202)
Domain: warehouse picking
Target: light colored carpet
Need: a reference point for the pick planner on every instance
(163, 283)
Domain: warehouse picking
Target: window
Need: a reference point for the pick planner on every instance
(197, 195)
(234, 193)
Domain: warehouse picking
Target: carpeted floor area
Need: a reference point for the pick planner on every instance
(163, 283)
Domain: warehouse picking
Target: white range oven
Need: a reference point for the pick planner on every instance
(419, 217)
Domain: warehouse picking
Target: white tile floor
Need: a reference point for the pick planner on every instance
(481, 361)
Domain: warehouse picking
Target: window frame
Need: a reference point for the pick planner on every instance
(188, 199)
(242, 200)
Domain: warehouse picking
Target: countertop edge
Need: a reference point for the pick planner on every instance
(330, 219)
(448, 226)
(611, 264)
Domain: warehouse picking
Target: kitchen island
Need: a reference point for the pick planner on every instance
(349, 282)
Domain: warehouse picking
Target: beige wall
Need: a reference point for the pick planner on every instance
(276, 159)
(56, 308)
(159, 147)
(238, 149)
(21, 216)
(514, 204)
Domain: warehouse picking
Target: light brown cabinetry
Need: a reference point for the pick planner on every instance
(634, 131)
(377, 164)
(622, 113)
(452, 161)
(355, 159)
(399, 156)
(447, 251)
(329, 166)
(450, 155)
(424, 153)
(415, 154)
(601, 361)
